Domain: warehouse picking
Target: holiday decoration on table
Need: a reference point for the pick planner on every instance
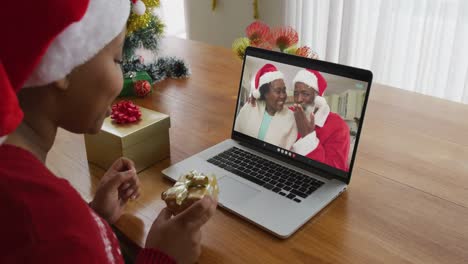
(162, 68)
(142, 88)
(131, 131)
(132, 84)
(260, 35)
(144, 33)
(190, 188)
(125, 112)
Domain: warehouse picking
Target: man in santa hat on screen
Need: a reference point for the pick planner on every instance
(323, 135)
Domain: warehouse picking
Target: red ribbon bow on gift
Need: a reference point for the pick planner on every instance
(125, 112)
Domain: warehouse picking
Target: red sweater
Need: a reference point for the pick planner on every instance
(44, 220)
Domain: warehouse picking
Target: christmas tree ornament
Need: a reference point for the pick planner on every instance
(142, 88)
(138, 22)
(130, 79)
(138, 7)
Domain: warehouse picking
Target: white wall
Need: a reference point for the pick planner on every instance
(229, 20)
(172, 13)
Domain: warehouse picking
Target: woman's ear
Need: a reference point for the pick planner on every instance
(63, 83)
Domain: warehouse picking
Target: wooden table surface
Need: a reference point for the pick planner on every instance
(408, 197)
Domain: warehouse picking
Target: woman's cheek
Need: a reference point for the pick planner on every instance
(118, 81)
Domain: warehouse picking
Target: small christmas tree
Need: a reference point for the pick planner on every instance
(144, 33)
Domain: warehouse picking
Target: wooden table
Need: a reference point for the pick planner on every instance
(408, 197)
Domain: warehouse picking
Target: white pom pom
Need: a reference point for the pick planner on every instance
(139, 8)
(256, 93)
(319, 101)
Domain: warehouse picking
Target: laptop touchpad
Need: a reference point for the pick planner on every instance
(234, 191)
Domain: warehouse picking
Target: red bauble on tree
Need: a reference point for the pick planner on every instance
(142, 88)
(125, 112)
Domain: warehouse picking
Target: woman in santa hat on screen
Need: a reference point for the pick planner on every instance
(270, 120)
(60, 67)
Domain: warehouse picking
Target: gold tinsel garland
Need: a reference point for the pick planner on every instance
(136, 22)
(255, 7)
(151, 3)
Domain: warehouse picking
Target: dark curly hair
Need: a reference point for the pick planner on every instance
(264, 89)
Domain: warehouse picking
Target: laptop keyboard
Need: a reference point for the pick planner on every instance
(272, 176)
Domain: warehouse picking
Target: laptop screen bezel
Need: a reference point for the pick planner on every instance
(321, 66)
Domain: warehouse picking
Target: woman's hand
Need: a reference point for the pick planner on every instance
(180, 236)
(119, 184)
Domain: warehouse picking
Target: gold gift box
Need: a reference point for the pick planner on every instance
(145, 142)
(188, 189)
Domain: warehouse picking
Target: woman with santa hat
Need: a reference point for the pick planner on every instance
(270, 120)
(60, 67)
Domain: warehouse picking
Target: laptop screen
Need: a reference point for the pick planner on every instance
(303, 113)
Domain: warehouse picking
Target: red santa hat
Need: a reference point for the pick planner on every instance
(266, 74)
(47, 41)
(314, 80)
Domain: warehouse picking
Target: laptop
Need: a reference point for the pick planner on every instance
(270, 184)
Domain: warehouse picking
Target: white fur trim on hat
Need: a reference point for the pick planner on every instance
(323, 110)
(269, 77)
(81, 41)
(254, 92)
(2, 139)
(308, 78)
(319, 101)
(306, 144)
